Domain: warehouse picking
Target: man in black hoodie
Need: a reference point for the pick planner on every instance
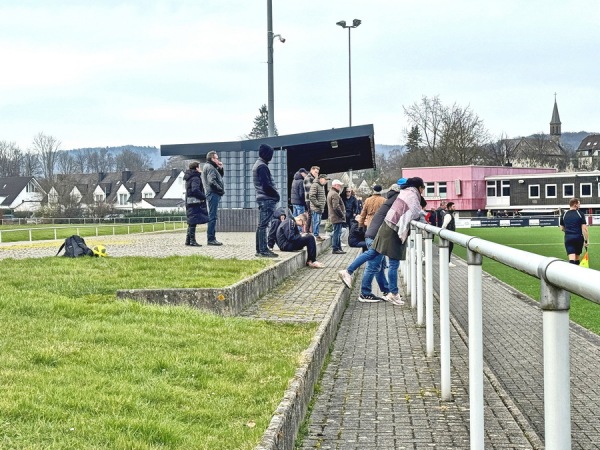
(212, 179)
(266, 197)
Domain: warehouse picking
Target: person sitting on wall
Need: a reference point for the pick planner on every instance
(356, 237)
(289, 239)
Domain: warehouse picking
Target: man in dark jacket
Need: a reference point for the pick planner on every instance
(195, 202)
(297, 196)
(266, 197)
(289, 238)
(212, 179)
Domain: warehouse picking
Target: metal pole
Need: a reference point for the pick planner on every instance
(419, 276)
(444, 320)
(271, 101)
(413, 271)
(408, 269)
(429, 293)
(349, 78)
(475, 301)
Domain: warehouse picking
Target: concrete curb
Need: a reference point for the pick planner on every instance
(229, 300)
(283, 429)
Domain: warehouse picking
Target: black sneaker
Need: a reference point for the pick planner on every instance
(215, 242)
(338, 252)
(370, 298)
(267, 255)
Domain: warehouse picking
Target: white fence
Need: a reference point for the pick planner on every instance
(557, 278)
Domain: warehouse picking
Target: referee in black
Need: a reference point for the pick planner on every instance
(573, 224)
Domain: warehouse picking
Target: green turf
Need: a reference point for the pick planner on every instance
(545, 241)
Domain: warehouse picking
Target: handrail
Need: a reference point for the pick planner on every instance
(557, 278)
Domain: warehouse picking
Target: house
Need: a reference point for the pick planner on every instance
(20, 194)
(588, 153)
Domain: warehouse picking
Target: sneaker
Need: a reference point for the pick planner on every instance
(266, 255)
(346, 278)
(394, 299)
(370, 298)
(319, 238)
(339, 252)
(451, 265)
(215, 242)
(273, 254)
(315, 264)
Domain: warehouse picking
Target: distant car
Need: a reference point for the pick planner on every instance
(114, 216)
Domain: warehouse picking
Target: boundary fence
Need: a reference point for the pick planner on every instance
(558, 279)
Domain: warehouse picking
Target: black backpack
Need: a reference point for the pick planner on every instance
(75, 246)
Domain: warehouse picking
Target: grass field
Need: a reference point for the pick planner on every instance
(82, 370)
(546, 241)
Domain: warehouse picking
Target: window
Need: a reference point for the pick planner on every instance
(491, 188)
(534, 191)
(506, 188)
(123, 199)
(53, 197)
(585, 190)
(98, 198)
(442, 190)
(550, 191)
(31, 187)
(429, 189)
(568, 190)
(148, 195)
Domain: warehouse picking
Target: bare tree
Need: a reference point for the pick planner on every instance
(447, 135)
(11, 159)
(65, 163)
(79, 161)
(47, 149)
(132, 160)
(501, 152)
(31, 164)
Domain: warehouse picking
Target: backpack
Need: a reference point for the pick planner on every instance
(75, 246)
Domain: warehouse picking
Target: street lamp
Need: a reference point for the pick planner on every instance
(355, 23)
(270, 37)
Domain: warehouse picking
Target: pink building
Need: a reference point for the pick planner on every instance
(466, 186)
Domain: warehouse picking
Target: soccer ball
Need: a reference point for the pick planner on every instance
(99, 250)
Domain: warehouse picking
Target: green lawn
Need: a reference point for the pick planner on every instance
(546, 241)
(82, 370)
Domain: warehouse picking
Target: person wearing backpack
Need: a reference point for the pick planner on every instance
(195, 202)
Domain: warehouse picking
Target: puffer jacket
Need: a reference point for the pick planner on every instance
(317, 197)
(197, 213)
(264, 184)
(297, 195)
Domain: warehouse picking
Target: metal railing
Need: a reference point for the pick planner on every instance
(42, 233)
(557, 278)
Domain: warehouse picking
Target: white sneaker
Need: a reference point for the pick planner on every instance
(394, 299)
(451, 265)
(346, 278)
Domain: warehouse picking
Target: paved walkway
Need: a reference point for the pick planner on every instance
(380, 390)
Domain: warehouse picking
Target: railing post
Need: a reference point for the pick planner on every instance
(555, 304)
(429, 293)
(413, 269)
(475, 301)
(444, 320)
(419, 275)
(30, 235)
(408, 268)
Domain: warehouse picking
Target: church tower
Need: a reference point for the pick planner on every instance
(555, 131)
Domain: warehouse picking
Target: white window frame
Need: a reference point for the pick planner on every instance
(442, 189)
(491, 185)
(529, 190)
(123, 199)
(555, 190)
(429, 189)
(581, 190)
(572, 185)
(505, 184)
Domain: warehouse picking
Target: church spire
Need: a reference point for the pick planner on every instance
(555, 123)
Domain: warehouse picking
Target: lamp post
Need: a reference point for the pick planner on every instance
(270, 38)
(355, 23)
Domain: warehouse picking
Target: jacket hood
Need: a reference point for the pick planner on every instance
(265, 152)
(190, 174)
(280, 212)
(297, 176)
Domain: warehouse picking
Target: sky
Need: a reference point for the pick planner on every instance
(111, 73)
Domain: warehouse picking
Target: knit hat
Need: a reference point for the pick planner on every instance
(303, 170)
(377, 189)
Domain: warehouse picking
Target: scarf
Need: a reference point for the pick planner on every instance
(405, 208)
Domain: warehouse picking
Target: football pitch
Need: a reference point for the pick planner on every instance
(545, 241)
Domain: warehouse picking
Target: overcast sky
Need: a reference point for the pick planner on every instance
(110, 72)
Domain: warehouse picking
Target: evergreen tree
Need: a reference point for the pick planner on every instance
(414, 139)
(261, 125)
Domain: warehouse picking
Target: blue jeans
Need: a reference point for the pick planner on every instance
(363, 257)
(212, 200)
(336, 236)
(298, 209)
(265, 209)
(392, 275)
(316, 222)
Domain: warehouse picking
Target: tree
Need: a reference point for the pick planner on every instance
(47, 149)
(261, 125)
(31, 164)
(450, 135)
(65, 163)
(11, 159)
(132, 160)
(501, 152)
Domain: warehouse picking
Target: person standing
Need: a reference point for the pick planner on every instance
(449, 224)
(311, 177)
(317, 200)
(297, 197)
(574, 225)
(337, 215)
(266, 197)
(439, 214)
(212, 179)
(351, 205)
(370, 207)
(195, 202)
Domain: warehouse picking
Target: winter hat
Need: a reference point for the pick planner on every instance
(401, 181)
(377, 189)
(303, 170)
